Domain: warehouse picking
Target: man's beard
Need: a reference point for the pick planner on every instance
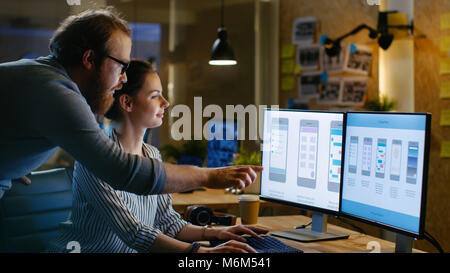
(98, 96)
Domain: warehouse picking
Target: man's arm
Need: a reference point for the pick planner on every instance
(184, 177)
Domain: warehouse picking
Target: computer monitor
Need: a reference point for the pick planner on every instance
(384, 176)
(301, 156)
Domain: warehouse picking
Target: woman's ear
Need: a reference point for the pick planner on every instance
(88, 59)
(126, 103)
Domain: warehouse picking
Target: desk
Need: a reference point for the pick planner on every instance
(214, 199)
(356, 241)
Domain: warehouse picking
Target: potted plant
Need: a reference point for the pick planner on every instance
(380, 104)
(192, 152)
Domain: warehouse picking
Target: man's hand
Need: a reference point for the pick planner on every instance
(184, 177)
(233, 176)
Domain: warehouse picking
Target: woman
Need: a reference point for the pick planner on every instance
(106, 220)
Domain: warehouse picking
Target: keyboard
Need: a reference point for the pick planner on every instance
(265, 244)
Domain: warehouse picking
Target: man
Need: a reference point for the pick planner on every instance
(51, 101)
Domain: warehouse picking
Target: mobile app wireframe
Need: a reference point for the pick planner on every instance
(380, 166)
(307, 153)
(396, 159)
(366, 161)
(413, 154)
(278, 149)
(353, 154)
(334, 163)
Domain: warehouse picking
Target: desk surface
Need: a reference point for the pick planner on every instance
(356, 241)
(215, 199)
(218, 199)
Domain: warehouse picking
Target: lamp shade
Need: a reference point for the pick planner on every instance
(385, 40)
(222, 53)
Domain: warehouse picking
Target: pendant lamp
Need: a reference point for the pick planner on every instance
(222, 53)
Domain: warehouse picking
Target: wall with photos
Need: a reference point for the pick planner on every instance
(346, 79)
(431, 82)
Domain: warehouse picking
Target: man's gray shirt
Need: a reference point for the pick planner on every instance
(41, 108)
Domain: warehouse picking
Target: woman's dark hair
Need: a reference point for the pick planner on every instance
(90, 29)
(136, 75)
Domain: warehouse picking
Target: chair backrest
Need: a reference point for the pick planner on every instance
(30, 214)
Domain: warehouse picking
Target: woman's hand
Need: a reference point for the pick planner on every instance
(228, 247)
(235, 232)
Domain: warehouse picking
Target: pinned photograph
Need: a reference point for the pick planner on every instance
(304, 30)
(308, 56)
(309, 85)
(335, 64)
(358, 59)
(331, 91)
(353, 91)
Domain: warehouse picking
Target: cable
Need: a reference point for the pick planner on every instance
(433, 241)
(303, 226)
(430, 236)
(221, 14)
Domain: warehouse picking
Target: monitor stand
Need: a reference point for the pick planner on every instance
(317, 232)
(403, 244)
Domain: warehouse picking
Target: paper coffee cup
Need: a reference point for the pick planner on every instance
(249, 208)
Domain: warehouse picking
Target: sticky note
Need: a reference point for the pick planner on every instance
(445, 90)
(287, 83)
(445, 66)
(445, 43)
(445, 118)
(287, 51)
(445, 21)
(287, 66)
(298, 69)
(445, 149)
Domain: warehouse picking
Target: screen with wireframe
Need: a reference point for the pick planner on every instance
(385, 169)
(302, 158)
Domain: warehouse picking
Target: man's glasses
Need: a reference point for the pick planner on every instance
(123, 64)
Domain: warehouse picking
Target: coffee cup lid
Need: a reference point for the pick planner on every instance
(248, 197)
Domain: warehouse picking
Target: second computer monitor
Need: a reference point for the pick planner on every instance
(302, 158)
(385, 169)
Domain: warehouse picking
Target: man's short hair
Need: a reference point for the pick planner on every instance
(90, 29)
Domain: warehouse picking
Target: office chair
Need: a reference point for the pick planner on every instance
(30, 214)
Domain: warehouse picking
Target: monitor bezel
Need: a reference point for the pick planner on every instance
(423, 202)
(298, 205)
